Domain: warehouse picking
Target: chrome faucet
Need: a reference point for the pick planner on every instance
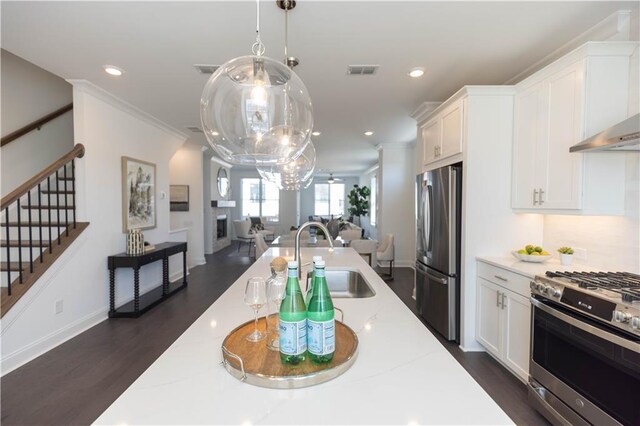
(297, 242)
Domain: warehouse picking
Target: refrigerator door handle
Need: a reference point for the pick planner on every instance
(437, 279)
(427, 218)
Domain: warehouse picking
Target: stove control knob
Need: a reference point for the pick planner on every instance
(532, 285)
(620, 316)
(553, 292)
(540, 287)
(635, 323)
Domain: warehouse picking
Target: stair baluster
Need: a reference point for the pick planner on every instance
(42, 252)
(66, 209)
(40, 211)
(6, 220)
(30, 234)
(57, 201)
(19, 241)
(73, 189)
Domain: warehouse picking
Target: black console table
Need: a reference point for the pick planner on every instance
(140, 305)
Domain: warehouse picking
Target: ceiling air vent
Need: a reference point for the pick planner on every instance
(362, 69)
(194, 129)
(206, 69)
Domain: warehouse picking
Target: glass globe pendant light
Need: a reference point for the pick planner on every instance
(255, 110)
(297, 174)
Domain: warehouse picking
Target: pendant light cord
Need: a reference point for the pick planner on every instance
(286, 31)
(258, 47)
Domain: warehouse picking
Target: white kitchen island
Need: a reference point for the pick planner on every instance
(402, 374)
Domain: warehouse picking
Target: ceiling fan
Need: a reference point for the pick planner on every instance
(332, 179)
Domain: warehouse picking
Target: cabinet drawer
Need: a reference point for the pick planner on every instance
(504, 278)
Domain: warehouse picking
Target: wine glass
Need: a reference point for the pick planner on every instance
(275, 292)
(255, 296)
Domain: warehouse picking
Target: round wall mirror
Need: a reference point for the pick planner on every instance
(223, 183)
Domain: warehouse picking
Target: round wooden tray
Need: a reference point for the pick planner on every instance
(258, 365)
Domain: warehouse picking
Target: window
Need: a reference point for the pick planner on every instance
(373, 213)
(329, 199)
(260, 198)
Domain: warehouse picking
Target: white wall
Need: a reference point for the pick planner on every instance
(27, 94)
(109, 129)
(207, 181)
(185, 168)
(396, 198)
(365, 180)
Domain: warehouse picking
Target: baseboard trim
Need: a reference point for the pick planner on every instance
(30, 352)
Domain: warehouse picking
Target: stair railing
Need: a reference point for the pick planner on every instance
(36, 125)
(13, 201)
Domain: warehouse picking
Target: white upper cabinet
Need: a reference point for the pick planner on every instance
(431, 140)
(451, 123)
(564, 103)
(440, 136)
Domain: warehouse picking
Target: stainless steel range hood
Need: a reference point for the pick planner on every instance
(624, 136)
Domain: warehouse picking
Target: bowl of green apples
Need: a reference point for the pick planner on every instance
(531, 253)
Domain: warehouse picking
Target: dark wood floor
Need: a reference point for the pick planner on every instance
(75, 382)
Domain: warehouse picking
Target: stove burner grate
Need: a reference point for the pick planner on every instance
(624, 283)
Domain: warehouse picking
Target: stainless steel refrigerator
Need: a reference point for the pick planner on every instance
(439, 200)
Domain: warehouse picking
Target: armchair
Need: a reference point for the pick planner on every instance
(385, 253)
(261, 245)
(243, 233)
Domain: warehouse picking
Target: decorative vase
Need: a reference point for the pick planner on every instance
(135, 242)
(566, 259)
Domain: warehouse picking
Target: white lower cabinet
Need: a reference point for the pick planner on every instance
(503, 325)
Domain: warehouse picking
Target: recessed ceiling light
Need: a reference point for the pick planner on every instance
(214, 133)
(368, 133)
(111, 70)
(316, 133)
(416, 72)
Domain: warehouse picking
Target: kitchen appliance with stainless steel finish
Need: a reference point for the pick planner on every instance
(585, 347)
(438, 204)
(624, 136)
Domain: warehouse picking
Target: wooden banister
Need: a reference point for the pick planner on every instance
(76, 152)
(35, 125)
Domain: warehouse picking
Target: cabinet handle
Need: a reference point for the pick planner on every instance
(535, 195)
(503, 297)
(541, 194)
(501, 278)
(498, 299)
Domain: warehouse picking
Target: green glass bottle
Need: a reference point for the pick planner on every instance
(293, 320)
(321, 327)
(307, 297)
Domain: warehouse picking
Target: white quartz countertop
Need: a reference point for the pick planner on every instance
(530, 269)
(402, 374)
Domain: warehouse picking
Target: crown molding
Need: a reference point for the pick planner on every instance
(371, 169)
(614, 27)
(425, 109)
(86, 86)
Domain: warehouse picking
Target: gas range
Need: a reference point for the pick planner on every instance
(611, 297)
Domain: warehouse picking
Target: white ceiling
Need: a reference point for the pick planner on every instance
(157, 43)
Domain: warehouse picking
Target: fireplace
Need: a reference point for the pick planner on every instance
(221, 222)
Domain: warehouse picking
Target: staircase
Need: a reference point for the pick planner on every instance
(38, 225)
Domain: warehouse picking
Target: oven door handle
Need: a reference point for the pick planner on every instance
(620, 341)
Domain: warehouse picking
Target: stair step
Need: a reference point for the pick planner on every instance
(35, 224)
(34, 207)
(53, 191)
(12, 266)
(24, 243)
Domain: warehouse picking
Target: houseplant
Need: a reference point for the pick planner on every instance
(358, 201)
(566, 255)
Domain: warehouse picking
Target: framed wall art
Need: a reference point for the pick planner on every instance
(138, 194)
(179, 198)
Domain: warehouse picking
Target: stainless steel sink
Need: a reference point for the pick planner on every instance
(347, 283)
